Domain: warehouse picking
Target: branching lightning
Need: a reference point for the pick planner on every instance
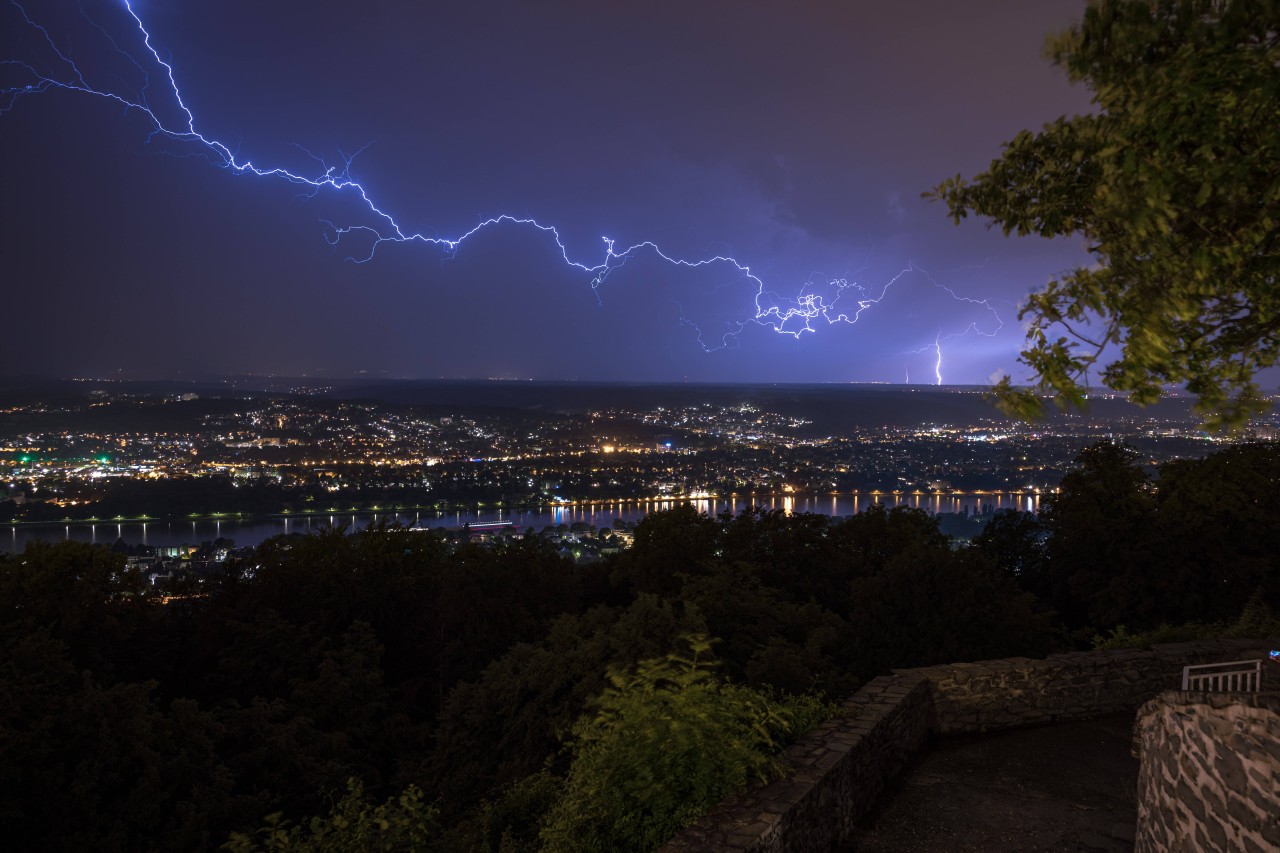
(936, 346)
(843, 300)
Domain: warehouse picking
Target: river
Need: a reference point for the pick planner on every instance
(253, 531)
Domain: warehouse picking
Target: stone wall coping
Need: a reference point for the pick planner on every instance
(744, 821)
(757, 819)
(1269, 699)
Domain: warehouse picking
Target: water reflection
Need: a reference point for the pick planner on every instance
(602, 514)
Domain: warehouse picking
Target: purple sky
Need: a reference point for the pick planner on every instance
(794, 137)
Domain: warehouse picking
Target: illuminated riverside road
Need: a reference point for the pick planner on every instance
(252, 531)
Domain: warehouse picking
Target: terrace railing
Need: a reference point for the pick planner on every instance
(1236, 676)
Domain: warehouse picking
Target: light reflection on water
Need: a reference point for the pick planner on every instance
(254, 531)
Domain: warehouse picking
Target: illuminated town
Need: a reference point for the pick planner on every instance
(564, 427)
(76, 459)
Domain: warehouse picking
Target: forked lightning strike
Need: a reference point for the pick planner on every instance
(790, 316)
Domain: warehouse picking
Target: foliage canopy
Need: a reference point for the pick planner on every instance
(444, 681)
(1174, 183)
(403, 824)
(667, 742)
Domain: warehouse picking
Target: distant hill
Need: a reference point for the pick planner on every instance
(832, 408)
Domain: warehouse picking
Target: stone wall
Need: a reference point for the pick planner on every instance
(841, 767)
(1210, 772)
(1003, 694)
(839, 770)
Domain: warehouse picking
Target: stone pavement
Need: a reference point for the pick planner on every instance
(1064, 787)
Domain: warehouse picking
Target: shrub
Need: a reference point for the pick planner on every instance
(1256, 621)
(404, 824)
(669, 740)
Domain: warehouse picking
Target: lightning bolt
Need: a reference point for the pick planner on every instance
(936, 346)
(844, 301)
(937, 367)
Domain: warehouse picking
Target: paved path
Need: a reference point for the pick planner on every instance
(1063, 787)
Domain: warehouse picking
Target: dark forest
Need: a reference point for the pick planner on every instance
(387, 690)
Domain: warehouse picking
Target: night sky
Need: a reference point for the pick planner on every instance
(795, 137)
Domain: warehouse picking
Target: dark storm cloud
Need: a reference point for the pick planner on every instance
(795, 137)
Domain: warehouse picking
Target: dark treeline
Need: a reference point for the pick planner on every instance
(182, 497)
(1115, 548)
(179, 497)
(446, 681)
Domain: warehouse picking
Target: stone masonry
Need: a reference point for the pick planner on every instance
(841, 767)
(1210, 772)
(1002, 694)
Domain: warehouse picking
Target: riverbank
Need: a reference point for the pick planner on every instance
(251, 529)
